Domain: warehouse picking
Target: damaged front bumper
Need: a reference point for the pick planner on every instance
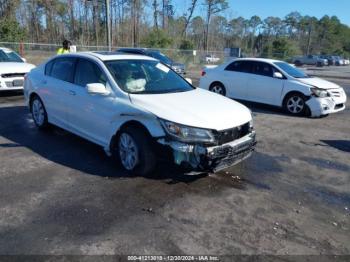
(327, 105)
(211, 158)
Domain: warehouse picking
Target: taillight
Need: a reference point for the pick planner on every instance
(203, 73)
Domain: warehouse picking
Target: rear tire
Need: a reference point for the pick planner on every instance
(134, 151)
(39, 113)
(218, 88)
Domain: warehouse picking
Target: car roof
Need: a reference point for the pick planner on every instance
(258, 59)
(131, 48)
(106, 56)
(137, 49)
(6, 49)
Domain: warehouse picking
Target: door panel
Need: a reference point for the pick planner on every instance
(262, 87)
(90, 114)
(55, 83)
(236, 77)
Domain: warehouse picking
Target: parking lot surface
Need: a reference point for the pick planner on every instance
(60, 194)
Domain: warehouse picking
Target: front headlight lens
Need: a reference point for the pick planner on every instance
(251, 125)
(251, 122)
(319, 92)
(186, 133)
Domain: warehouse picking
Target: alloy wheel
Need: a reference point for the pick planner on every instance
(128, 151)
(38, 112)
(295, 104)
(218, 89)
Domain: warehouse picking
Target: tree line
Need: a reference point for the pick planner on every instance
(157, 23)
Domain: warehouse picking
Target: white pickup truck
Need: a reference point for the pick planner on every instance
(211, 59)
(310, 60)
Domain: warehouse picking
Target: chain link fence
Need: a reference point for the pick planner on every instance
(194, 60)
(37, 53)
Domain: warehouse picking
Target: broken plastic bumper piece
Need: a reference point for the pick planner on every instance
(212, 158)
(327, 105)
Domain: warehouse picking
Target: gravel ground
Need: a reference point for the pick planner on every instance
(60, 194)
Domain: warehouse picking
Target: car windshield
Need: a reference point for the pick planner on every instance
(9, 56)
(291, 70)
(146, 77)
(161, 57)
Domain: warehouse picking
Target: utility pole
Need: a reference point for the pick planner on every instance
(108, 25)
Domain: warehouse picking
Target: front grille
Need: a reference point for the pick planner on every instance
(336, 92)
(14, 83)
(13, 75)
(229, 135)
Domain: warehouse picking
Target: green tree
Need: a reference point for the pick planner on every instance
(283, 48)
(292, 22)
(213, 7)
(157, 38)
(254, 23)
(197, 31)
(10, 31)
(186, 44)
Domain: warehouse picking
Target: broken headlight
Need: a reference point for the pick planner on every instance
(318, 92)
(187, 133)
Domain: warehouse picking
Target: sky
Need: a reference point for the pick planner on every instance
(280, 8)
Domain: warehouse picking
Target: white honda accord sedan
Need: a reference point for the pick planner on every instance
(139, 110)
(275, 83)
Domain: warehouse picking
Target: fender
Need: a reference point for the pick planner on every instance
(294, 86)
(130, 112)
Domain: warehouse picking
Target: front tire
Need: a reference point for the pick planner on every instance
(295, 104)
(134, 151)
(218, 88)
(39, 113)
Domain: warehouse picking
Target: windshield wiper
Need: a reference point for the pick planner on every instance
(302, 76)
(159, 91)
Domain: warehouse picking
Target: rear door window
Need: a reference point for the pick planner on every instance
(240, 66)
(48, 67)
(63, 69)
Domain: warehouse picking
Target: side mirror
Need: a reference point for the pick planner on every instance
(24, 60)
(97, 89)
(277, 75)
(189, 80)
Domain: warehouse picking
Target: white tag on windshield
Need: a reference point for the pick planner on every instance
(162, 67)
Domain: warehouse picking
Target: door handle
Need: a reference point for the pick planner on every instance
(44, 82)
(71, 92)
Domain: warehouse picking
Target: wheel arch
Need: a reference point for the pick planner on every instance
(290, 93)
(216, 82)
(129, 123)
(31, 97)
(307, 110)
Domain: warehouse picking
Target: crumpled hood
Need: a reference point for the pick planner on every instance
(318, 82)
(197, 108)
(14, 67)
